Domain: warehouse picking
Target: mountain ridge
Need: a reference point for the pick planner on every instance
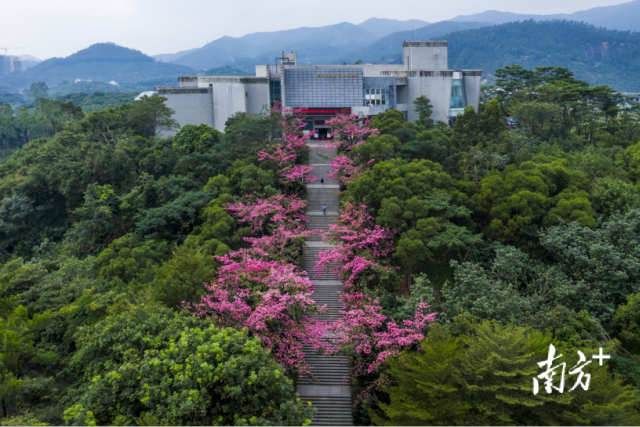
(622, 17)
(596, 55)
(100, 61)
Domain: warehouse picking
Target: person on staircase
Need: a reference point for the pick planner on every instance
(322, 181)
(324, 209)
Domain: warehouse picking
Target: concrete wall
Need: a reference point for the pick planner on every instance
(472, 80)
(403, 93)
(374, 70)
(430, 55)
(258, 97)
(262, 70)
(192, 106)
(188, 81)
(228, 98)
(436, 87)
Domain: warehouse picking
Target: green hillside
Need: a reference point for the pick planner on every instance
(387, 48)
(103, 62)
(616, 17)
(597, 55)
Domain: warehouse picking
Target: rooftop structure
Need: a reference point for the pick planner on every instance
(323, 91)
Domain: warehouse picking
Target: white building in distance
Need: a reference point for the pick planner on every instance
(323, 91)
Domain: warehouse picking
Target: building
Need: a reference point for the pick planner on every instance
(323, 91)
(9, 64)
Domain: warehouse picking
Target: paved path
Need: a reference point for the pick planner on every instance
(331, 394)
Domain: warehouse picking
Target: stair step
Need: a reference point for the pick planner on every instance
(331, 395)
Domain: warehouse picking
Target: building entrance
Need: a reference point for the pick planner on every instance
(323, 133)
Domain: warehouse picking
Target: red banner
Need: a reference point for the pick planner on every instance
(325, 111)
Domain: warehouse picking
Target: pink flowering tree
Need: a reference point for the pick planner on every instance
(371, 337)
(350, 131)
(361, 247)
(287, 151)
(272, 300)
(278, 222)
(265, 214)
(360, 259)
(345, 170)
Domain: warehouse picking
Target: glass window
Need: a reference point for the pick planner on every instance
(457, 94)
(275, 91)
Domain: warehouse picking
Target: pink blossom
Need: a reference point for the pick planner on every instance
(298, 172)
(350, 131)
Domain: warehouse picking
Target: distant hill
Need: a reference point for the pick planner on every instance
(225, 71)
(596, 55)
(620, 17)
(380, 51)
(171, 57)
(102, 62)
(312, 44)
(381, 27)
(29, 61)
(387, 48)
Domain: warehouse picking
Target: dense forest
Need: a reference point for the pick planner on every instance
(154, 281)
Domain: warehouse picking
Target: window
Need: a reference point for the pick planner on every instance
(275, 92)
(457, 94)
(375, 96)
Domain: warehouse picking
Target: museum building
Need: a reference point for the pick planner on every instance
(323, 91)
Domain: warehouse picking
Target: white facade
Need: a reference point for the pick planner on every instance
(325, 90)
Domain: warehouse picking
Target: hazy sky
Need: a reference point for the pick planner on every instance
(47, 28)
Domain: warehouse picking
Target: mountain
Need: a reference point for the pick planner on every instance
(383, 27)
(597, 55)
(103, 62)
(171, 57)
(388, 47)
(313, 43)
(623, 17)
(381, 50)
(29, 61)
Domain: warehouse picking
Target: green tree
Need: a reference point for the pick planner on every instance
(544, 191)
(388, 121)
(484, 377)
(421, 202)
(19, 350)
(603, 262)
(612, 195)
(100, 221)
(181, 278)
(424, 109)
(152, 117)
(627, 323)
(7, 124)
(38, 90)
(150, 365)
(378, 148)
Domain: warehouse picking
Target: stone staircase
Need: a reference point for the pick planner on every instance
(330, 393)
